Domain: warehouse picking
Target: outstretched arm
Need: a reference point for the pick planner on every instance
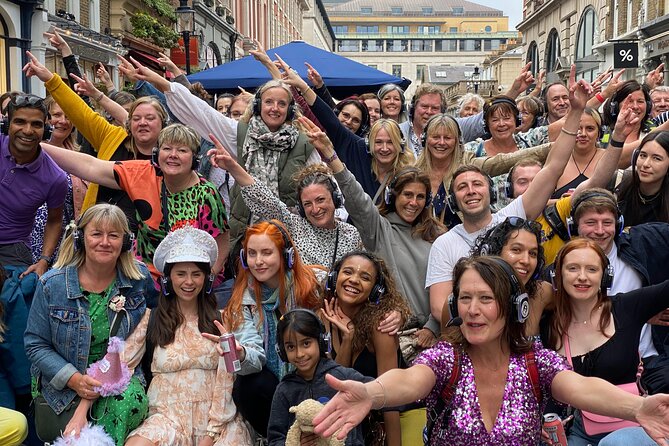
(84, 166)
(537, 194)
(595, 395)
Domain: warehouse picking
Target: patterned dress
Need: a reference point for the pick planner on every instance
(190, 394)
(518, 422)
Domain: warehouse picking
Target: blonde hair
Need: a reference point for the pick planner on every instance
(433, 125)
(404, 156)
(160, 110)
(70, 143)
(100, 215)
(275, 83)
(180, 134)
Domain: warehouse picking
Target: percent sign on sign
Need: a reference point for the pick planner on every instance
(626, 55)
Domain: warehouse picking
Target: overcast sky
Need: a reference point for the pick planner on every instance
(511, 8)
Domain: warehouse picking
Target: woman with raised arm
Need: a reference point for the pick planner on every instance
(501, 382)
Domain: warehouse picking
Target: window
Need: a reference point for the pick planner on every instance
(491, 44)
(421, 45)
(372, 66)
(396, 10)
(94, 15)
(420, 72)
(552, 51)
(372, 45)
(458, 10)
(348, 45)
(533, 57)
(586, 34)
(453, 29)
(397, 70)
(397, 45)
(428, 10)
(428, 29)
(398, 29)
(629, 15)
(470, 45)
(340, 29)
(367, 29)
(446, 45)
(488, 28)
(365, 10)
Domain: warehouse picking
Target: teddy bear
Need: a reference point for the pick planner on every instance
(304, 415)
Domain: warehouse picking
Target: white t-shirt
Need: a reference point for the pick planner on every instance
(626, 278)
(457, 243)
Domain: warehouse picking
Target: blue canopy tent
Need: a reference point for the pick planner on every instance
(343, 77)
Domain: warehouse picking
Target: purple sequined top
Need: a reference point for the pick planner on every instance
(518, 422)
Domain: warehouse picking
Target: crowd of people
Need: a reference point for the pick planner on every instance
(184, 269)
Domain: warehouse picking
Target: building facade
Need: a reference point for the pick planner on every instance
(404, 37)
(557, 33)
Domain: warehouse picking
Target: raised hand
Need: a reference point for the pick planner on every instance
(580, 91)
(127, 69)
(260, 54)
(334, 314)
(85, 87)
(523, 80)
(655, 77)
(626, 123)
(314, 76)
(57, 41)
(290, 76)
(139, 71)
(102, 74)
(220, 156)
(613, 85)
(35, 68)
(317, 137)
(167, 63)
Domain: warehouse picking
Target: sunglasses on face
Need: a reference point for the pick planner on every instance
(519, 223)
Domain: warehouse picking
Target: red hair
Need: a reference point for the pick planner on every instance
(563, 311)
(305, 284)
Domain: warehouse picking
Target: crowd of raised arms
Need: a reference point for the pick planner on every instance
(179, 270)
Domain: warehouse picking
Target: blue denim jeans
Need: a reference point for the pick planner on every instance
(628, 436)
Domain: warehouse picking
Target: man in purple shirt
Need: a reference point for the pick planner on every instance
(28, 178)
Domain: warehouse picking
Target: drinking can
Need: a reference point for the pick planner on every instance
(229, 347)
(553, 426)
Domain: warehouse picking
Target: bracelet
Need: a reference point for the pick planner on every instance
(213, 435)
(568, 132)
(600, 98)
(47, 259)
(383, 389)
(330, 159)
(616, 144)
(99, 98)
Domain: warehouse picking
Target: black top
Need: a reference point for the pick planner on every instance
(617, 359)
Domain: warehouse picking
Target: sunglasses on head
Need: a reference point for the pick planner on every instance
(519, 223)
(22, 100)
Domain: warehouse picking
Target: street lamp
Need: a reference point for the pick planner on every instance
(186, 23)
(475, 78)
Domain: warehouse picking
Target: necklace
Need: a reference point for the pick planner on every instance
(646, 200)
(585, 322)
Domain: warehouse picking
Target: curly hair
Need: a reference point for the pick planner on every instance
(313, 174)
(305, 285)
(494, 275)
(370, 315)
(493, 241)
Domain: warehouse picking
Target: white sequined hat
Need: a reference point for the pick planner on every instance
(185, 245)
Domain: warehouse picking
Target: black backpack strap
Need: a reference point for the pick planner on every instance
(553, 219)
(446, 395)
(147, 359)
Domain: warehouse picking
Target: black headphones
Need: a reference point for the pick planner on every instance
(403, 142)
(508, 183)
(79, 243)
(607, 277)
(379, 288)
(364, 121)
(453, 203)
(497, 101)
(337, 197)
(423, 136)
(572, 226)
(164, 284)
(519, 300)
(4, 129)
(389, 193)
(195, 165)
(414, 100)
(620, 96)
(324, 346)
(288, 250)
(486, 248)
(257, 105)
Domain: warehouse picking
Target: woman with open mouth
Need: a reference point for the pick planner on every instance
(486, 383)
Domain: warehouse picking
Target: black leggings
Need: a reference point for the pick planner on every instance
(253, 397)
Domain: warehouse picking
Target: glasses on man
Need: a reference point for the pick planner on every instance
(22, 100)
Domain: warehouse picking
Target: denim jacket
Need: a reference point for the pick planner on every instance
(58, 337)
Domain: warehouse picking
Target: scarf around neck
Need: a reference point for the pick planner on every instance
(263, 149)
